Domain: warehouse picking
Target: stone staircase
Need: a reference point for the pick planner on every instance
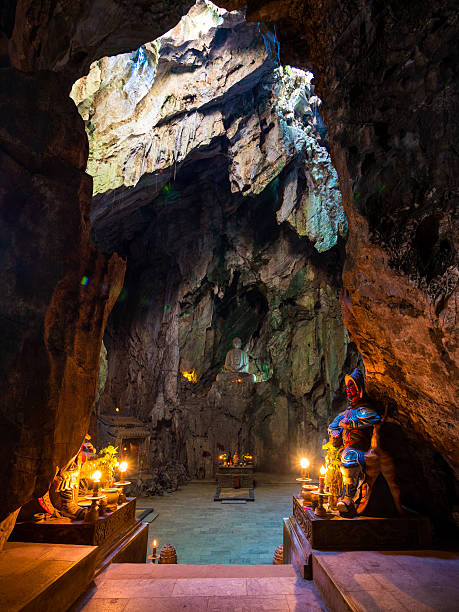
(130, 587)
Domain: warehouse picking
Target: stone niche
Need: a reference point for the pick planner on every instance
(130, 436)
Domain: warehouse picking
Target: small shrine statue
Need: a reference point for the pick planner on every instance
(64, 491)
(236, 365)
(353, 429)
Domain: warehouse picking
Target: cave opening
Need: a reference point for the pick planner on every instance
(217, 219)
(212, 177)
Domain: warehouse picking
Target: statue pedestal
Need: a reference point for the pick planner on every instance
(304, 533)
(118, 535)
(235, 377)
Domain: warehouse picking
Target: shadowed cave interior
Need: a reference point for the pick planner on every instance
(282, 173)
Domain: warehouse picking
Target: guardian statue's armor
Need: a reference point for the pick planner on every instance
(353, 429)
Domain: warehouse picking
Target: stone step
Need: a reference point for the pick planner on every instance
(150, 570)
(221, 588)
(371, 581)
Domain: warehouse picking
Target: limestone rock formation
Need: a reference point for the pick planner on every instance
(191, 162)
(57, 289)
(385, 75)
(207, 87)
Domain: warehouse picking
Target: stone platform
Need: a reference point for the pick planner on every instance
(379, 581)
(118, 536)
(304, 533)
(38, 577)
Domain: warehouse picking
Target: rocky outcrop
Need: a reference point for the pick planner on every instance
(385, 74)
(66, 39)
(57, 289)
(191, 163)
(208, 87)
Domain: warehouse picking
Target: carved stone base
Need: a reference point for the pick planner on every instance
(235, 377)
(118, 536)
(304, 532)
(297, 548)
(334, 532)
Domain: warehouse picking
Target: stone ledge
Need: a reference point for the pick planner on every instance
(422, 580)
(35, 576)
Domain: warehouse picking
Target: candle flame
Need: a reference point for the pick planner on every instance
(191, 376)
(123, 466)
(97, 475)
(304, 463)
(323, 470)
(155, 543)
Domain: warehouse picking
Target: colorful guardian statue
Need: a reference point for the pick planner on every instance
(353, 429)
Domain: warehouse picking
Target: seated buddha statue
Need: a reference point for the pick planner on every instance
(236, 365)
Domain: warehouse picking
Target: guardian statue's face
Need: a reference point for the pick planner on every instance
(352, 392)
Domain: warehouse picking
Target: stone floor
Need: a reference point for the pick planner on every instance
(208, 532)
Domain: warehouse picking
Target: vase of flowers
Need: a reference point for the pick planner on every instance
(108, 462)
(334, 479)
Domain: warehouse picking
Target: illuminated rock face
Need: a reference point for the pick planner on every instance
(211, 174)
(390, 102)
(208, 87)
(233, 273)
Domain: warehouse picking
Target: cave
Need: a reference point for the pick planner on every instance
(177, 177)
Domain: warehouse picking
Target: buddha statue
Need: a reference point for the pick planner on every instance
(236, 365)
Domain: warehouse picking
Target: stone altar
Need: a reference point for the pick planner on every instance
(227, 474)
(118, 535)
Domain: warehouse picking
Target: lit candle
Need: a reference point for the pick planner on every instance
(155, 544)
(122, 468)
(96, 479)
(304, 465)
(323, 471)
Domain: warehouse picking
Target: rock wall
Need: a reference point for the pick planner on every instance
(57, 290)
(386, 73)
(211, 174)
